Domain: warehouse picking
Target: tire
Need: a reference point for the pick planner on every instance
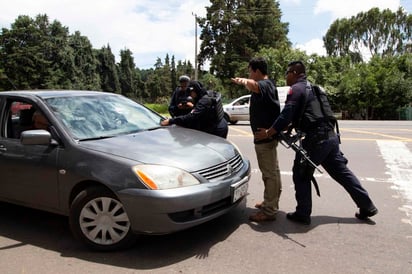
(227, 118)
(99, 220)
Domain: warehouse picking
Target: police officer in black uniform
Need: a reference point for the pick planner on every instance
(321, 144)
(181, 102)
(207, 114)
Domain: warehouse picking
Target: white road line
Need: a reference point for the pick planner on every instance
(325, 175)
(398, 161)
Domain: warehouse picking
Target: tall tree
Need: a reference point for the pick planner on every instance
(32, 53)
(382, 33)
(37, 54)
(85, 75)
(128, 74)
(108, 71)
(173, 74)
(234, 30)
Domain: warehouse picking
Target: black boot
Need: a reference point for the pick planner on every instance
(364, 214)
(294, 217)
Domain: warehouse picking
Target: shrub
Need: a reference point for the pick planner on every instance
(160, 108)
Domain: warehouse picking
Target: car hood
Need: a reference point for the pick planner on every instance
(188, 149)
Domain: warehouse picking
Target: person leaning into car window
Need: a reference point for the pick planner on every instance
(204, 116)
(40, 121)
(181, 102)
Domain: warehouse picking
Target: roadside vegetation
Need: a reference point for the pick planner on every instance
(367, 71)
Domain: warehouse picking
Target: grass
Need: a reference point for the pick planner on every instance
(162, 109)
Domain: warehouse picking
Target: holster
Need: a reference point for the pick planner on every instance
(319, 135)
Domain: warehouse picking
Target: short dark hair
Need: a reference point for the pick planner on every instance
(259, 63)
(297, 66)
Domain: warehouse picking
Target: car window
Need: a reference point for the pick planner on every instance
(19, 117)
(89, 117)
(244, 101)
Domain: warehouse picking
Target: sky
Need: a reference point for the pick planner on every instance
(151, 29)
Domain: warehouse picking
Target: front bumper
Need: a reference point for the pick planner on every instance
(171, 210)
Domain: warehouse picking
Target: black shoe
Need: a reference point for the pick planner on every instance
(364, 214)
(298, 218)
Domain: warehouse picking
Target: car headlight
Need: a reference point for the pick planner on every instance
(164, 177)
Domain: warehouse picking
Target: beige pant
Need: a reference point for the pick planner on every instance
(267, 158)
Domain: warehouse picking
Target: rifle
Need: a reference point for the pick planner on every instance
(289, 140)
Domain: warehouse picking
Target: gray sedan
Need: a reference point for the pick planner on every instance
(103, 160)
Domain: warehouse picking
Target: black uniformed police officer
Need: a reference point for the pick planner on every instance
(322, 146)
(179, 103)
(206, 115)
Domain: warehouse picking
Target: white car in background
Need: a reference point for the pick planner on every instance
(238, 109)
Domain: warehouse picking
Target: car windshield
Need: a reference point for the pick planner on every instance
(94, 117)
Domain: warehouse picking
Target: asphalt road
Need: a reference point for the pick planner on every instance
(380, 154)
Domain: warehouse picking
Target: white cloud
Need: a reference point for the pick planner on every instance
(342, 9)
(151, 29)
(147, 28)
(348, 8)
(313, 46)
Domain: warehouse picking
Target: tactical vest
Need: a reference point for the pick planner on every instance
(217, 105)
(317, 117)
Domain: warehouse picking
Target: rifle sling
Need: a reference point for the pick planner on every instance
(315, 184)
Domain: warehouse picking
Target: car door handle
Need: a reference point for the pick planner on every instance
(3, 148)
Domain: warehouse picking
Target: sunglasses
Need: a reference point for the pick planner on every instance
(289, 71)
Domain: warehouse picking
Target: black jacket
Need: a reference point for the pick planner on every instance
(203, 116)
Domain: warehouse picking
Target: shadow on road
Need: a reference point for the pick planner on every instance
(24, 226)
(284, 228)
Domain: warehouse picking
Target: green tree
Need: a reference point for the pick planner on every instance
(377, 89)
(234, 30)
(37, 54)
(108, 71)
(32, 53)
(85, 74)
(165, 74)
(382, 33)
(154, 89)
(128, 74)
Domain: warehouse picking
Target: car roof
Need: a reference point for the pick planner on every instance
(53, 93)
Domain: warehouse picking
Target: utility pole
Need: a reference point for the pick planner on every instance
(195, 15)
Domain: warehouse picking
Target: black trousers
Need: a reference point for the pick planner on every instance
(327, 154)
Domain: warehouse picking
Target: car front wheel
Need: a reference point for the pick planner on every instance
(99, 220)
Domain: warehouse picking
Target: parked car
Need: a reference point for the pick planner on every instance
(238, 109)
(104, 161)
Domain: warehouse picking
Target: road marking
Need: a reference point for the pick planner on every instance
(241, 131)
(326, 176)
(364, 132)
(398, 161)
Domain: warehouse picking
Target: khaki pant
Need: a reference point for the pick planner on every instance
(267, 158)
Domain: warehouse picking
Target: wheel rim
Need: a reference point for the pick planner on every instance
(104, 221)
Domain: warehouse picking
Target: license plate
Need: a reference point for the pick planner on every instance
(238, 191)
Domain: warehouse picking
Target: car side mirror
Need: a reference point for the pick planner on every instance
(36, 137)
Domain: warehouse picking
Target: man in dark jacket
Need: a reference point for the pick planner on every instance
(321, 143)
(207, 114)
(180, 102)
